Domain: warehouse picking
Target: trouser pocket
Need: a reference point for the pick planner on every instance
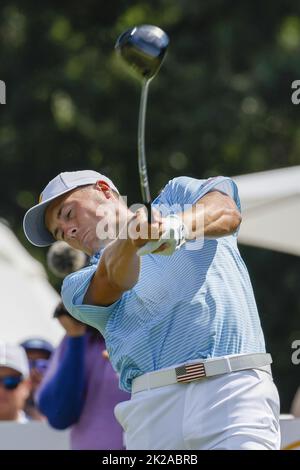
(121, 412)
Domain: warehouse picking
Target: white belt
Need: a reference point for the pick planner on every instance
(200, 369)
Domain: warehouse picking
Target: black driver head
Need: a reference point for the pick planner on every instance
(143, 48)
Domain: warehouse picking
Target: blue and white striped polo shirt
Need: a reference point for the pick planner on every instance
(197, 303)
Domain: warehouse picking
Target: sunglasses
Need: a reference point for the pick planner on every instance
(39, 364)
(11, 382)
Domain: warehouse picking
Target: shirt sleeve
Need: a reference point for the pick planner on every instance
(73, 291)
(180, 193)
(185, 190)
(60, 396)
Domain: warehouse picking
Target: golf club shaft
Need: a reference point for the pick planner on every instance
(141, 149)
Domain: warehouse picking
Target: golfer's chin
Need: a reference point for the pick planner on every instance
(93, 247)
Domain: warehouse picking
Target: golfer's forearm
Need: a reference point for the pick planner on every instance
(214, 216)
(215, 224)
(121, 263)
(222, 222)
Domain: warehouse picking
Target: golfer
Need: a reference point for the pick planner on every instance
(180, 322)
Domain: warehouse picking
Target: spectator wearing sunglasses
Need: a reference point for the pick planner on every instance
(38, 352)
(14, 383)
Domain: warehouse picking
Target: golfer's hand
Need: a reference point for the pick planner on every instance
(165, 235)
(173, 237)
(141, 232)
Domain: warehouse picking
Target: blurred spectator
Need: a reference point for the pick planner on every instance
(38, 352)
(14, 383)
(80, 388)
(295, 409)
(63, 260)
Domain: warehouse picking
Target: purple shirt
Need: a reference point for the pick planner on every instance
(96, 427)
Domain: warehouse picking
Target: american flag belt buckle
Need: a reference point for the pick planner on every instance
(189, 372)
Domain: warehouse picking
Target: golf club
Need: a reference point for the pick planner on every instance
(143, 48)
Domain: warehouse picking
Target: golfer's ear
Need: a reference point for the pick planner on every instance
(102, 186)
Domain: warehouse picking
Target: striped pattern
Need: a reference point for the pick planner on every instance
(197, 303)
(190, 372)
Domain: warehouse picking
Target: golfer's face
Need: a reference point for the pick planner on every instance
(75, 217)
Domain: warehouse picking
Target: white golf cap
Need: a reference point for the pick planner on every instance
(34, 219)
(14, 356)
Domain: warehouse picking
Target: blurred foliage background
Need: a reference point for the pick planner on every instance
(221, 105)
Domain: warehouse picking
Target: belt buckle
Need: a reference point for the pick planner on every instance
(190, 372)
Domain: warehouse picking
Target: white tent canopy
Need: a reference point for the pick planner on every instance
(27, 299)
(271, 208)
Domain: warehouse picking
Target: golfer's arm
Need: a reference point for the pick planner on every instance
(117, 272)
(214, 215)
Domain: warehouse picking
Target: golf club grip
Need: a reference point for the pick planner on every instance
(149, 211)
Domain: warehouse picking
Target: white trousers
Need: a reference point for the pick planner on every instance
(239, 410)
